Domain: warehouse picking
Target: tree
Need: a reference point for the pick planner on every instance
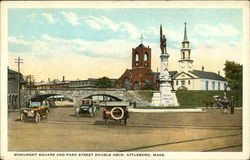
(103, 82)
(233, 73)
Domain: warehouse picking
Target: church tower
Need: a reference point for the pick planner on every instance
(185, 63)
(141, 57)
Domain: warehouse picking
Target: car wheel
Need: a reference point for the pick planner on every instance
(37, 118)
(47, 114)
(125, 121)
(22, 117)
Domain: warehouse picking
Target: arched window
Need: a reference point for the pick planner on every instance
(146, 56)
(147, 81)
(136, 85)
(218, 85)
(126, 83)
(183, 55)
(213, 85)
(136, 56)
(118, 85)
(206, 85)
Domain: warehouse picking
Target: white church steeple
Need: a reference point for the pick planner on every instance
(185, 63)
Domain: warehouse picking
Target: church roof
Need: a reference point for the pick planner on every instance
(172, 73)
(141, 46)
(207, 75)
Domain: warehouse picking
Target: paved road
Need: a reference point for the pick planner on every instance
(206, 131)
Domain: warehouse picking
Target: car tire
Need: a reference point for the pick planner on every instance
(125, 121)
(22, 117)
(37, 118)
(47, 114)
(112, 113)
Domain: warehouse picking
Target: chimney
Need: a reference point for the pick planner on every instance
(63, 78)
(202, 68)
(218, 72)
(48, 79)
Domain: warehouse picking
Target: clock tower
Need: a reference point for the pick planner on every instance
(185, 63)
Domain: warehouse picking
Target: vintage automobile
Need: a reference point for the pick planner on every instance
(88, 106)
(116, 110)
(36, 111)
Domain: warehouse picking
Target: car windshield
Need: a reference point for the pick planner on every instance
(35, 104)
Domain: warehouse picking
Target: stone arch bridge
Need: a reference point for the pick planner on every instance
(77, 94)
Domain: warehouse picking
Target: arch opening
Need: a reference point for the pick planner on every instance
(52, 100)
(103, 97)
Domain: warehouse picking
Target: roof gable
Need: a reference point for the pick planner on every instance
(184, 75)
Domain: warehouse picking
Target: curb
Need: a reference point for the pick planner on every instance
(164, 110)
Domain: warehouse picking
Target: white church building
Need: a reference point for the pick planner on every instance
(188, 78)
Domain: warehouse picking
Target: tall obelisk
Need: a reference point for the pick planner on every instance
(164, 97)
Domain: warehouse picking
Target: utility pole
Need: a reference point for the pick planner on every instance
(18, 61)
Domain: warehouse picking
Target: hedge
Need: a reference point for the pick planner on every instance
(196, 98)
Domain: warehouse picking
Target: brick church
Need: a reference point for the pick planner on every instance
(187, 78)
(141, 74)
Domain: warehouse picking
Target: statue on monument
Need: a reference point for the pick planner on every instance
(163, 42)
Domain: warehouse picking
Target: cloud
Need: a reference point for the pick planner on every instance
(49, 18)
(220, 30)
(71, 18)
(101, 22)
(52, 47)
(131, 29)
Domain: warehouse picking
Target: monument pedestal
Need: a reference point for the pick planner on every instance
(164, 97)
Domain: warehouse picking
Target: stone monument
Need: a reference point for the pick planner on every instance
(164, 97)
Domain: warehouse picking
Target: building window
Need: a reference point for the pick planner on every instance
(136, 85)
(218, 85)
(189, 82)
(183, 55)
(206, 85)
(146, 56)
(183, 83)
(126, 83)
(147, 81)
(176, 82)
(136, 56)
(213, 85)
(118, 85)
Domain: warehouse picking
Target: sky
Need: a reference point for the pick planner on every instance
(95, 42)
